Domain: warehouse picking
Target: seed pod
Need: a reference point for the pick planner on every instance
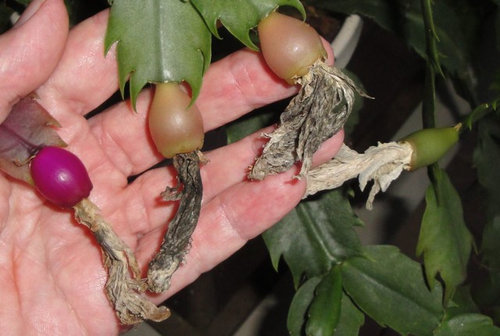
(430, 144)
(294, 51)
(60, 176)
(289, 46)
(175, 126)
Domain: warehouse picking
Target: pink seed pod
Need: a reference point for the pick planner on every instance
(60, 176)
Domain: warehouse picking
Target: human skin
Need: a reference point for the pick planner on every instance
(51, 269)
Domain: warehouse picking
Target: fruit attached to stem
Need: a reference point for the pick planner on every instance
(175, 125)
(289, 46)
(294, 51)
(430, 144)
(60, 176)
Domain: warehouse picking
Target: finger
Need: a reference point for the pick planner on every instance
(30, 50)
(239, 84)
(227, 222)
(230, 165)
(85, 77)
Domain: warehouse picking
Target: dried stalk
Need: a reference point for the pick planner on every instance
(177, 239)
(381, 164)
(316, 113)
(124, 285)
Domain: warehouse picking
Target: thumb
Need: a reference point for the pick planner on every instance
(30, 50)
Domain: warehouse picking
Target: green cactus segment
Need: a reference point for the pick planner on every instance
(429, 145)
(158, 41)
(240, 16)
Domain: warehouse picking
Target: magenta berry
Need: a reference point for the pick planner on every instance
(60, 176)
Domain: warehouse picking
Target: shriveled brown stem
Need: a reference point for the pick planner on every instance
(177, 239)
(316, 113)
(124, 285)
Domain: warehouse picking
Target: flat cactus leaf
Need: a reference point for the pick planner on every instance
(158, 41)
(240, 16)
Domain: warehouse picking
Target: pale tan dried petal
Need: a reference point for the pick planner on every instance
(124, 286)
(381, 164)
(316, 113)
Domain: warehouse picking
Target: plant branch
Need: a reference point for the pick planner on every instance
(480, 112)
(432, 67)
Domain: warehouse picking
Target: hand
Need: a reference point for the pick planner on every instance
(50, 267)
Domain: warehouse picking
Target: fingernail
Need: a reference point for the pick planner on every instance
(29, 12)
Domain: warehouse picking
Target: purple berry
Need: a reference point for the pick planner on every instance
(60, 176)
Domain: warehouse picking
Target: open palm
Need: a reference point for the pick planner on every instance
(51, 269)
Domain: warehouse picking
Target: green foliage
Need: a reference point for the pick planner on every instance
(297, 313)
(351, 319)
(158, 41)
(324, 312)
(338, 280)
(240, 17)
(444, 241)
(390, 287)
(497, 25)
(386, 285)
(311, 240)
(320, 307)
(487, 161)
(467, 325)
(481, 112)
(170, 40)
(462, 303)
(457, 27)
(314, 244)
(431, 53)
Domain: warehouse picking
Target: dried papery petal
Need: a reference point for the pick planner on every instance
(316, 113)
(381, 164)
(27, 128)
(177, 239)
(124, 286)
(27, 136)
